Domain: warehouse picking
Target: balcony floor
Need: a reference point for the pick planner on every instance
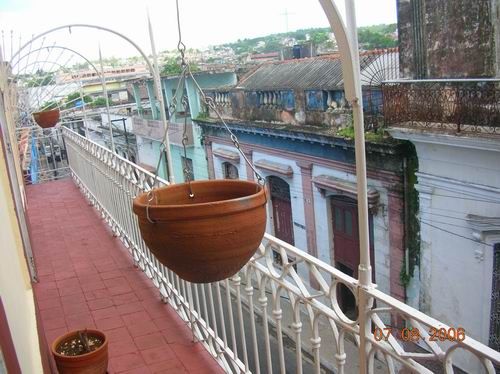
(87, 279)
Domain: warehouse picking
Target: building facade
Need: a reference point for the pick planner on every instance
(449, 108)
(293, 127)
(149, 131)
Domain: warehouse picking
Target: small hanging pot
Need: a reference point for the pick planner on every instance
(208, 237)
(47, 118)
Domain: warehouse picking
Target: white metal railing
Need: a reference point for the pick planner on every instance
(268, 318)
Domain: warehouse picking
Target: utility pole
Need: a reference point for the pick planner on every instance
(285, 14)
(159, 97)
(105, 89)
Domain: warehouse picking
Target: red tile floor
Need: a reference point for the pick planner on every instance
(87, 279)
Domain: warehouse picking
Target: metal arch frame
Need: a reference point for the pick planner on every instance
(101, 77)
(152, 69)
(57, 47)
(347, 41)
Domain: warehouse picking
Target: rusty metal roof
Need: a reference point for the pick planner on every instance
(323, 72)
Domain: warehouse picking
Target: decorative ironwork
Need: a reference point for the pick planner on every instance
(495, 302)
(248, 322)
(471, 106)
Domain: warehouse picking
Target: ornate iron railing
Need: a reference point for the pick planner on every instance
(445, 105)
(268, 318)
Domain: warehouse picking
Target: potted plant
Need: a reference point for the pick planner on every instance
(79, 352)
(49, 116)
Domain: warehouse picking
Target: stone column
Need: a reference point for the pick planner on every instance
(396, 242)
(210, 158)
(396, 220)
(310, 222)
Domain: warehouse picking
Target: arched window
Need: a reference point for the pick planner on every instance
(282, 209)
(230, 171)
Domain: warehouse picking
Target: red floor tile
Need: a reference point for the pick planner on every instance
(87, 279)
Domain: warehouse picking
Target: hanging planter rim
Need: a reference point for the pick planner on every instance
(171, 212)
(56, 113)
(62, 338)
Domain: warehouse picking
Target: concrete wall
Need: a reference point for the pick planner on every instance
(148, 152)
(457, 177)
(15, 286)
(449, 38)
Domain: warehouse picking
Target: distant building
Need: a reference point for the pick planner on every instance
(263, 57)
(149, 130)
(89, 75)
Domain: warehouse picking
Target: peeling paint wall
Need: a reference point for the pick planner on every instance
(449, 39)
(293, 107)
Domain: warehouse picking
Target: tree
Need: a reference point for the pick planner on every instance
(74, 97)
(40, 78)
(320, 37)
(49, 105)
(172, 66)
(99, 102)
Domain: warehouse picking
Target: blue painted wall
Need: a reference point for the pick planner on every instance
(195, 152)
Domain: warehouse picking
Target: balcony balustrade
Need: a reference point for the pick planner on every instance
(458, 106)
(274, 316)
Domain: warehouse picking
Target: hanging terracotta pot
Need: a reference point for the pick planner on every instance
(206, 238)
(47, 118)
(94, 362)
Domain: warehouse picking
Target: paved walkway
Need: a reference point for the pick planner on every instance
(87, 279)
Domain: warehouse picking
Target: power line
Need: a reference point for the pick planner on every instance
(454, 233)
(468, 198)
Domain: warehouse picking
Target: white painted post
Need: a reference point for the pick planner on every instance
(159, 97)
(105, 89)
(348, 47)
(84, 112)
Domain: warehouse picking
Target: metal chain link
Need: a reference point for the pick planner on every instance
(209, 102)
(188, 173)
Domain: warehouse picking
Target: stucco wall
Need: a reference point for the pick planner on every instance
(448, 39)
(457, 177)
(15, 287)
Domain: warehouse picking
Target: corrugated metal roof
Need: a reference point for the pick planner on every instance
(305, 74)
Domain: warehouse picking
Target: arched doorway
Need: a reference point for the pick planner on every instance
(281, 209)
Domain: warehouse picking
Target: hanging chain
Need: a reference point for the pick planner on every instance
(188, 173)
(209, 102)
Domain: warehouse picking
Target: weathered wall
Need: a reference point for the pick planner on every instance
(448, 38)
(244, 106)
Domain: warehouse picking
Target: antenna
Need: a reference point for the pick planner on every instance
(285, 14)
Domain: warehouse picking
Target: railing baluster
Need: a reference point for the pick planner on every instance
(110, 182)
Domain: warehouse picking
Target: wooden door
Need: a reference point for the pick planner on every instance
(346, 246)
(282, 209)
(345, 234)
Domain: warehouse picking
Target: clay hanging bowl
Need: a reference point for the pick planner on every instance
(47, 118)
(206, 238)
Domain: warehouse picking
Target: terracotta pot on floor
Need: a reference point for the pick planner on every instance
(47, 118)
(206, 238)
(95, 362)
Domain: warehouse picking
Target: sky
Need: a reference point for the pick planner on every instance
(203, 23)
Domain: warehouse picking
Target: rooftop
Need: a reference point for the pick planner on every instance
(324, 72)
